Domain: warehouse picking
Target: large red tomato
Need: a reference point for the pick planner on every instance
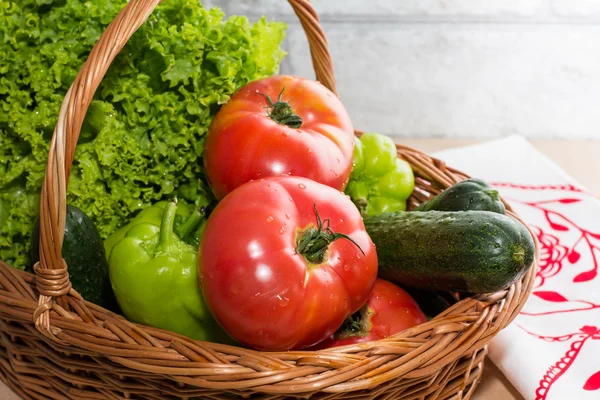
(388, 311)
(276, 267)
(281, 125)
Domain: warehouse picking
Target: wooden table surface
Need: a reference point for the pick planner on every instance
(578, 158)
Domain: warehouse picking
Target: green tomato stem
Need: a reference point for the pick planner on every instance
(282, 113)
(357, 324)
(313, 243)
(166, 227)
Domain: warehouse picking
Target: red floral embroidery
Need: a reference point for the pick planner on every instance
(561, 223)
(567, 243)
(561, 366)
(552, 254)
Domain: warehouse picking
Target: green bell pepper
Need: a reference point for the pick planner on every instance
(189, 223)
(380, 181)
(154, 276)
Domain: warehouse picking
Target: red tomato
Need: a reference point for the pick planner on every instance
(306, 133)
(270, 278)
(388, 311)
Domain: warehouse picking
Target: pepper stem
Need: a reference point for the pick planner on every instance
(166, 226)
(313, 242)
(191, 224)
(281, 112)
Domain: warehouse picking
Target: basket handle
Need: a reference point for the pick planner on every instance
(51, 271)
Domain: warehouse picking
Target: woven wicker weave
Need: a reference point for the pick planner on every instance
(56, 345)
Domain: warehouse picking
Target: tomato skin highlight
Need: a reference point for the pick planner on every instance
(244, 143)
(389, 310)
(259, 288)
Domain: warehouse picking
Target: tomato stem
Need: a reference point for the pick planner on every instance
(281, 111)
(313, 243)
(357, 324)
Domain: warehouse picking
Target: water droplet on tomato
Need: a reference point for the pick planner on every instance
(211, 274)
(283, 301)
(338, 160)
(309, 151)
(346, 267)
(282, 230)
(260, 333)
(284, 134)
(287, 216)
(269, 218)
(341, 220)
(331, 296)
(302, 186)
(334, 309)
(290, 199)
(235, 288)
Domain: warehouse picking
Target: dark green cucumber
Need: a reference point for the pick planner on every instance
(465, 251)
(431, 302)
(83, 251)
(470, 194)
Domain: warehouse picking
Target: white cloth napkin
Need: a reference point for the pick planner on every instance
(551, 351)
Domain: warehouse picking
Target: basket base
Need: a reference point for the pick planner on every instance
(34, 369)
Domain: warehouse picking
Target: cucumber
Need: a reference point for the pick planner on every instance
(431, 302)
(470, 194)
(464, 251)
(83, 251)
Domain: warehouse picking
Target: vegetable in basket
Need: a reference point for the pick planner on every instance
(154, 276)
(465, 251)
(281, 125)
(283, 261)
(143, 135)
(432, 302)
(380, 181)
(470, 194)
(388, 310)
(84, 254)
(188, 224)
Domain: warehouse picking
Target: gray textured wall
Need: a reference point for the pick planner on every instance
(456, 68)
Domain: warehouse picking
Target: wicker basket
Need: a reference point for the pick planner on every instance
(56, 345)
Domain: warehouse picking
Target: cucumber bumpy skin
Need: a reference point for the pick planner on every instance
(470, 194)
(465, 251)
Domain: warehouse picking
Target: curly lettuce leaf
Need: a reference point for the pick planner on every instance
(142, 138)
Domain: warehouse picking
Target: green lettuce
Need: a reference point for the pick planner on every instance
(143, 135)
